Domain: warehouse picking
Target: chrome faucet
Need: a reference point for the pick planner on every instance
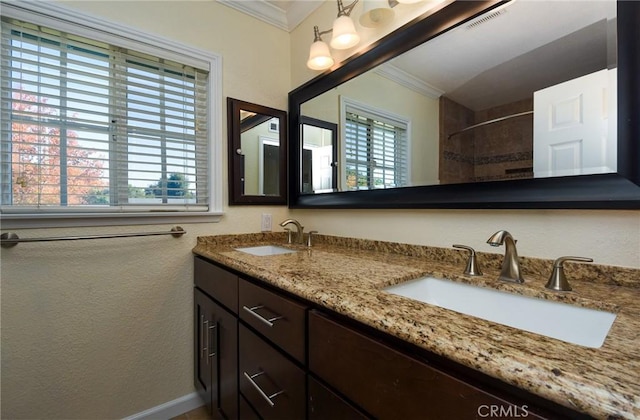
(510, 265)
(299, 227)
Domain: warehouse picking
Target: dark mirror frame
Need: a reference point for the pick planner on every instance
(236, 161)
(603, 191)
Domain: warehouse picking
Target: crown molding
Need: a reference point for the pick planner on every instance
(268, 12)
(409, 81)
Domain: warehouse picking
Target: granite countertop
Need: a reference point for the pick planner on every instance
(347, 275)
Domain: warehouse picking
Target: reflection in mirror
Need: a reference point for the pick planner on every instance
(535, 103)
(319, 155)
(257, 154)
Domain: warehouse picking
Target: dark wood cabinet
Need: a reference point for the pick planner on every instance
(204, 363)
(389, 384)
(263, 353)
(216, 343)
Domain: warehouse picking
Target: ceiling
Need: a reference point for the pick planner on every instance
(506, 55)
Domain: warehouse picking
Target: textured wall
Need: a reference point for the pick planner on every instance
(102, 328)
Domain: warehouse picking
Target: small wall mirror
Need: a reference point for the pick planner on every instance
(257, 153)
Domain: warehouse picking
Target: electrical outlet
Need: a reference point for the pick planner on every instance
(266, 222)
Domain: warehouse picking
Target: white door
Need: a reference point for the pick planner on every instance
(572, 131)
(323, 169)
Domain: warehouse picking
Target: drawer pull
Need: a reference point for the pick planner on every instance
(253, 312)
(266, 397)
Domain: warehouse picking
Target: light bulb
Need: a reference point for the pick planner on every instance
(319, 56)
(344, 33)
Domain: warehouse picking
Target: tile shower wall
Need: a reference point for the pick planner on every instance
(498, 151)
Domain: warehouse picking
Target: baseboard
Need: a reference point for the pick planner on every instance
(170, 409)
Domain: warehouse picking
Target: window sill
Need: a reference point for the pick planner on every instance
(39, 221)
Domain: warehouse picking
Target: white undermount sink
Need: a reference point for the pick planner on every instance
(266, 250)
(573, 324)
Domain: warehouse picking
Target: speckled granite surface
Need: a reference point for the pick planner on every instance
(347, 275)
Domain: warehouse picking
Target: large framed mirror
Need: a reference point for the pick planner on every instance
(485, 98)
(257, 153)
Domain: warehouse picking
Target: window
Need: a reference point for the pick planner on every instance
(98, 127)
(375, 148)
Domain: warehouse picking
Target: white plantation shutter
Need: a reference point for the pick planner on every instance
(95, 127)
(375, 150)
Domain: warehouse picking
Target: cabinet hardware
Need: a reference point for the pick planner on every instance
(214, 349)
(266, 397)
(205, 345)
(203, 349)
(253, 312)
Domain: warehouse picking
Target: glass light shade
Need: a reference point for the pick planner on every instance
(319, 56)
(344, 33)
(376, 13)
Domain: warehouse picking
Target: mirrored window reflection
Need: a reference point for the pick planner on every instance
(375, 153)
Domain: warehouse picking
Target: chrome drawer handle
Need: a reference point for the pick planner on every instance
(253, 312)
(266, 397)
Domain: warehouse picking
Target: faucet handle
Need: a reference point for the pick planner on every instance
(558, 280)
(472, 269)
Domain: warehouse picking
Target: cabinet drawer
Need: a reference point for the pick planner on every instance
(324, 404)
(246, 411)
(279, 319)
(217, 283)
(389, 384)
(273, 385)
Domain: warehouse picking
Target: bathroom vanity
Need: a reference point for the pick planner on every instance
(312, 334)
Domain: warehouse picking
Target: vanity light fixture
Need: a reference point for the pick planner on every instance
(344, 30)
(319, 54)
(344, 37)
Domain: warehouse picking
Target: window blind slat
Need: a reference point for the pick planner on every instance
(375, 151)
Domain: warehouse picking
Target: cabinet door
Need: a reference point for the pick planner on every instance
(390, 385)
(226, 350)
(204, 364)
(216, 356)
